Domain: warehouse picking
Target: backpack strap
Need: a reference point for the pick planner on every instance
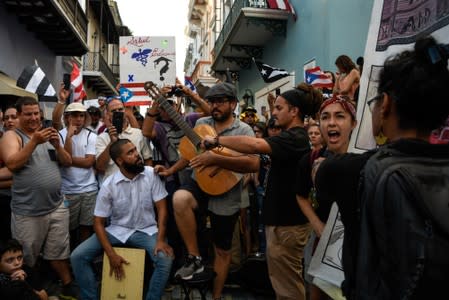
(62, 139)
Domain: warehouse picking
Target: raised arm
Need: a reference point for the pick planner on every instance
(102, 148)
(59, 108)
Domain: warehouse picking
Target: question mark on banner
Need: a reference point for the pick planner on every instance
(165, 68)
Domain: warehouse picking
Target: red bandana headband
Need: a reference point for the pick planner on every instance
(345, 103)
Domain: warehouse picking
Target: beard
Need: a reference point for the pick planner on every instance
(135, 168)
(220, 116)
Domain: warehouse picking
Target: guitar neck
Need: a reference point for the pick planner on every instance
(179, 121)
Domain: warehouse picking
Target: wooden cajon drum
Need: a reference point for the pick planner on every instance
(130, 287)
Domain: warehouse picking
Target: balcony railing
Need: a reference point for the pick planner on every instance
(232, 18)
(94, 61)
(75, 15)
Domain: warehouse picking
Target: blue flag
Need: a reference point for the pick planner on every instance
(188, 83)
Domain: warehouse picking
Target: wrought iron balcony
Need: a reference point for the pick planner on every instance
(106, 18)
(60, 24)
(247, 28)
(98, 74)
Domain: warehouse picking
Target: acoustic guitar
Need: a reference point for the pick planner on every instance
(213, 180)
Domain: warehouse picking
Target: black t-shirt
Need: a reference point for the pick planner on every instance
(304, 182)
(280, 206)
(303, 178)
(337, 180)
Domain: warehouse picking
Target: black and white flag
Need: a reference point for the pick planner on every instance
(269, 73)
(33, 80)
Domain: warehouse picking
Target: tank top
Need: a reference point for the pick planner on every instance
(36, 187)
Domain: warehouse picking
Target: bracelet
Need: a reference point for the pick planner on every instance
(63, 103)
(152, 115)
(216, 141)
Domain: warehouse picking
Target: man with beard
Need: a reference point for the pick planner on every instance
(286, 227)
(129, 198)
(223, 209)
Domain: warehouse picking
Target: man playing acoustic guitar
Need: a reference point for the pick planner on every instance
(286, 227)
(223, 207)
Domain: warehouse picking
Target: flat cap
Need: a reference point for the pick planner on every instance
(222, 89)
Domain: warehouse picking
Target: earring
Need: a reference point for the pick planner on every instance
(381, 139)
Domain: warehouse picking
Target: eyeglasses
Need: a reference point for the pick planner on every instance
(371, 102)
(250, 115)
(217, 101)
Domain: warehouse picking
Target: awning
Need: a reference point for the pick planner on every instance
(8, 87)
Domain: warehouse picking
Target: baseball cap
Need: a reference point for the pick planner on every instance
(223, 89)
(250, 109)
(75, 106)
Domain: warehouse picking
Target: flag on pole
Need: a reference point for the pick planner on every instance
(188, 83)
(269, 73)
(76, 79)
(283, 5)
(33, 80)
(317, 78)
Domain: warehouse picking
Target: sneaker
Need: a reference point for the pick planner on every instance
(192, 266)
(69, 292)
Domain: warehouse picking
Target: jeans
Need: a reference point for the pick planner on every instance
(91, 248)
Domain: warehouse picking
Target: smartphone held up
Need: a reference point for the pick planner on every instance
(66, 81)
(117, 121)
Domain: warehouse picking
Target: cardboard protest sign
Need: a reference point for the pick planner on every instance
(145, 58)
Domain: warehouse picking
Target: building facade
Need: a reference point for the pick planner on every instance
(239, 30)
(54, 34)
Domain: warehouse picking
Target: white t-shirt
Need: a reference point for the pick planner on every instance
(134, 135)
(79, 180)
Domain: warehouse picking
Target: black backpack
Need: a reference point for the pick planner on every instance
(404, 227)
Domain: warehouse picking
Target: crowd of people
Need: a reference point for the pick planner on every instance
(101, 177)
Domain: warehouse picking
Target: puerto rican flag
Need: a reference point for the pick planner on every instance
(134, 94)
(188, 83)
(76, 80)
(282, 4)
(317, 78)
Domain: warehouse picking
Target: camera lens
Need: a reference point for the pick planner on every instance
(178, 92)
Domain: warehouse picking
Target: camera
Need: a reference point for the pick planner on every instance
(176, 91)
